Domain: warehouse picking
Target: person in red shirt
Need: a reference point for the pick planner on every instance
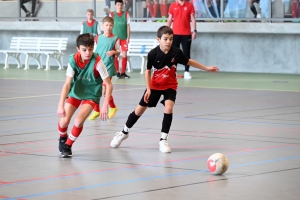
(164, 59)
(181, 14)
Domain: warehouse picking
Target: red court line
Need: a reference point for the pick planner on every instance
(3, 183)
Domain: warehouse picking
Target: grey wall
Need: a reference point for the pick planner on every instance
(233, 47)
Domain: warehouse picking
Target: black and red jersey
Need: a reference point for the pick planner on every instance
(164, 76)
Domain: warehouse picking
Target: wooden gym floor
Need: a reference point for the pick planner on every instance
(254, 119)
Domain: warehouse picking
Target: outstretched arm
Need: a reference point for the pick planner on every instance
(201, 66)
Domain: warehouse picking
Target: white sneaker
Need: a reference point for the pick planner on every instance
(164, 146)
(106, 9)
(117, 140)
(258, 16)
(187, 75)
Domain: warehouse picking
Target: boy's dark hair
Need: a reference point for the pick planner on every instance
(164, 30)
(118, 1)
(85, 39)
(108, 19)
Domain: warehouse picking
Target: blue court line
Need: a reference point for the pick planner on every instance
(147, 178)
(133, 167)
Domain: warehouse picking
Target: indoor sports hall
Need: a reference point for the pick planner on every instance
(249, 111)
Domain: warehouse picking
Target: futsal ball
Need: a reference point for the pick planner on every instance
(217, 163)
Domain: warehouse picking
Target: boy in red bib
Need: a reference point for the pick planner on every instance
(164, 59)
(83, 87)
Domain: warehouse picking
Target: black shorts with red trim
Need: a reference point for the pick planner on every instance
(169, 94)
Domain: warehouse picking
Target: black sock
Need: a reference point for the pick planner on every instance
(166, 123)
(253, 9)
(145, 12)
(212, 11)
(132, 119)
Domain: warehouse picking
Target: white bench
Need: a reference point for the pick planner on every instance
(140, 48)
(34, 47)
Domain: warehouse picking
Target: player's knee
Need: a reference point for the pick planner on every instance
(78, 122)
(168, 109)
(64, 123)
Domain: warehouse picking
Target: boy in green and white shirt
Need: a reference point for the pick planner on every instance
(82, 89)
(122, 30)
(90, 25)
(107, 47)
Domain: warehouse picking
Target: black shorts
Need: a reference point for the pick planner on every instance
(155, 95)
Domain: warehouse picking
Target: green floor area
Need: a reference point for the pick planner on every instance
(224, 80)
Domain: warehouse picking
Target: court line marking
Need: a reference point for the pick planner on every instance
(158, 164)
(47, 95)
(179, 86)
(149, 178)
(196, 183)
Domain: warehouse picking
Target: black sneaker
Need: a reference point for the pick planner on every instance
(118, 75)
(61, 143)
(28, 14)
(66, 151)
(124, 76)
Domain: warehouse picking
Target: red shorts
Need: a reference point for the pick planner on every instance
(124, 45)
(77, 102)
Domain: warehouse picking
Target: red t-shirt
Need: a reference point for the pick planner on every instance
(165, 64)
(181, 17)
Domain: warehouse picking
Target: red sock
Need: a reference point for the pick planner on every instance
(162, 11)
(62, 131)
(117, 64)
(74, 135)
(150, 8)
(155, 6)
(97, 108)
(124, 63)
(165, 10)
(111, 102)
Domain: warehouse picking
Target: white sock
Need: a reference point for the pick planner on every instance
(126, 129)
(164, 136)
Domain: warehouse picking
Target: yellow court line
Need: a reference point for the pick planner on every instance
(225, 88)
(28, 97)
(23, 79)
(48, 95)
(271, 90)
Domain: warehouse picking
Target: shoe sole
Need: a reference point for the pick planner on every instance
(66, 156)
(165, 151)
(93, 118)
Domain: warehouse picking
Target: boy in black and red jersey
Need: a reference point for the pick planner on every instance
(164, 59)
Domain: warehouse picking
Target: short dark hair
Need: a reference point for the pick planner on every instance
(118, 1)
(164, 30)
(85, 39)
